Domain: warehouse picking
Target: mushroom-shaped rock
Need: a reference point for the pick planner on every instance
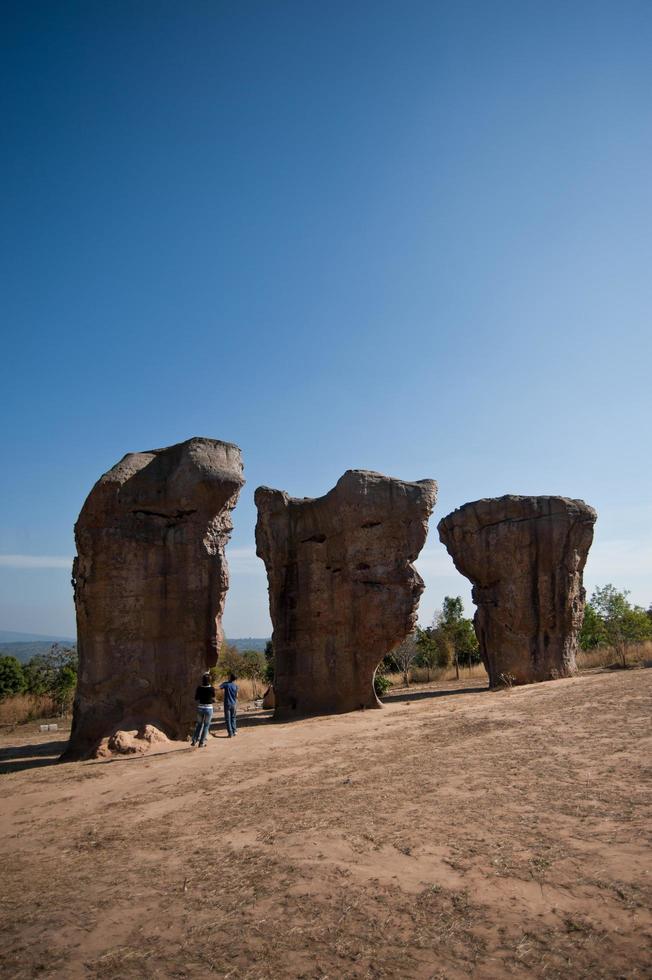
(525, 557)
(150, 579)
(342, 587)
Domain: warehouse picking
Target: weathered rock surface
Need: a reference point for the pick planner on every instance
(525, 557)
(131, 743)
(150, 579)
(342, 589)
(269, 699)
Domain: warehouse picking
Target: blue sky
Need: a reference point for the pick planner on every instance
(404, 236)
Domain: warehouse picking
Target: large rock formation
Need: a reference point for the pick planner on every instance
(525, 557)
(342, 589)
(150, 580)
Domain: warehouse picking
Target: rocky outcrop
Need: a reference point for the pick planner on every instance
(131, 743)
(525, 557)
(342, 587)
(150, 579)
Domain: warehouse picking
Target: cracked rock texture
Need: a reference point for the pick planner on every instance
(342, 587)
(150, 579)
(525, 557)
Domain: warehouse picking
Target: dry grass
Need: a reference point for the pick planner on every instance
(32, 707)
(637, 654)
(424, 675)
(25, 707)
(248, 690)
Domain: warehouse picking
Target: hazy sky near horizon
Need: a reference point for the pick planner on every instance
(412, 237)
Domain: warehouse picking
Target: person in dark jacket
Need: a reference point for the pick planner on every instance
(205, 698)
(230, 689)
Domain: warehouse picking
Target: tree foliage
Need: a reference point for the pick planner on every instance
(593, 633)
(228, 662)
(12, 677)
(382, 682)
(254, 667)
(42, 671)
(54, 673)
(611, 620)
(451, 638)
(435, 648)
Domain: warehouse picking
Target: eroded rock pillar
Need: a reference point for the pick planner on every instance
(150, 579)
(342, 587)
(525, 557)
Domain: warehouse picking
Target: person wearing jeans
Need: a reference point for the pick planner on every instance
(205, 698)
(230, 689)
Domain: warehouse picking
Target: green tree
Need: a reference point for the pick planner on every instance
(444, 647)
(64, 689)
(638, 627)
(253, 667)
(623, 623)
(452, 612)
(427, 652)
(12, 678)
(459, 632)
(593, 633)
(228, 662)
(466, 642)
(36, 679)
(52, 673)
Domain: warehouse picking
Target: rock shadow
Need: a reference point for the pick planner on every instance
(218, 728)
(16, 758)
(424, 695)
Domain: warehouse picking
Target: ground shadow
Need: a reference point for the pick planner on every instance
(421, 695)
(16, 758)
(218, 729)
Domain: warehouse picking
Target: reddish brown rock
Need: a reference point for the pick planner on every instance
(525, 557)
(150, 579)
(342, 587)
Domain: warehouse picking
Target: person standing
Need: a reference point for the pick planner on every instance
(230, 689)
(205, 698)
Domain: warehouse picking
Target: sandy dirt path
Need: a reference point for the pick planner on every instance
(449, 835)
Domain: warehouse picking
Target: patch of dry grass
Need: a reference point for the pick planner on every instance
(25, 707)
(637, 654)
(424, 675)
(32, 707)
(248, 690)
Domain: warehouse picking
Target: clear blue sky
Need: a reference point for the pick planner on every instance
(405, 236)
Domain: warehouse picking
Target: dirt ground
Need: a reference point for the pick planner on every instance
(455, 833)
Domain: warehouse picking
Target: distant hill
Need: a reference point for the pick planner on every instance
(8, 636)
(25, 651)
(249, 643)
(24, 646)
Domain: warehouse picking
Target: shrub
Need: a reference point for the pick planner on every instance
(382, 683)
(12, 678)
